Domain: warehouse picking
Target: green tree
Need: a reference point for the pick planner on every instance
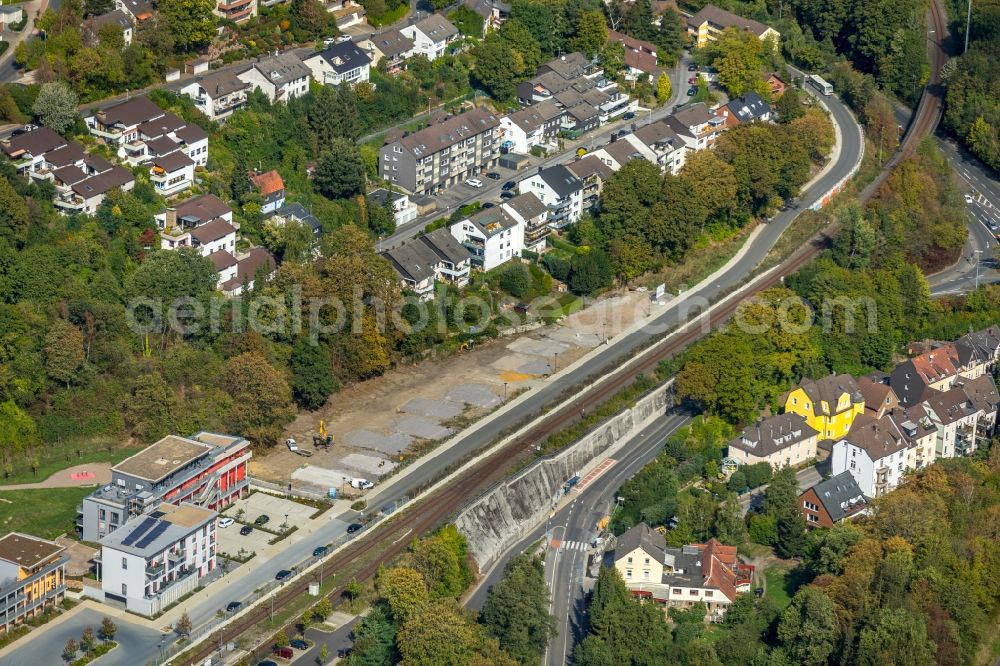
(589, 272)
(781, 503)
(108, 629)
(763, 529)
(404, 590)
(439, 565)
(183, 626)
(165, 279)
(322, 609)
(281, 639)
(374, 640)
(545, 20)
(505, 58)
(191, 22)
(893, 637)
(739, 62)
(669, 39)
(312, 373)
(516, 280)
(340, 173)
(728, 525)
(808, 628)
(639, 20)
(262, 399)
(442, 634)
(516, 611)
(663, 88)
(151, 407)
(55, 106)
(88, 641)
(591, 33)
(333, 115)
(14, 219)
(310, 17)
(70, 649)
(789, 106)
(63, 351)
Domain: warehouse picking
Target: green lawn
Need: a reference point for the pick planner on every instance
(60, 456)
(776, 589)
(46, 512)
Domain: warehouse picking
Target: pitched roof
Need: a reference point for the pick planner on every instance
(132, 112)
(485, 7)
(909, 378)
(103, 182)
(457, 128)
(530, 118)
(445, 246)
(172, 161)
(623, 152)
(659, 135)
(694, 114)
(587, 166)
(491, 221)
(829, 389)
(221, 83)
(222, 260)
(66, 155)
(773, 434)
(560, 179)
(568, 66)
(980, 346)
(343, 56)
(268, 182)
(248, 266)
(204, 208)
(165, 124)
(161, 145)
(526, 205)
(191, 134)
(140, 9)
(437, 27)
(631, 43)
(840, 495)
(114, 17)
(723, 19)
(949, 406)
(413, 260)
(641, 536)
(876, 394)
(717, 562)
(749, 107)
(298, 212)
(36, 142)
(212, 231)
(878, 437)
(392, 43)
(643, 61)
(281, 68)
(982, 391)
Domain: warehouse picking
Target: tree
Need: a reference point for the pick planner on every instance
(191, 22)
(98, 7)
(545, 20)
(88, 641)
(281, 639)
(183, 626)
(789, 106)
(763, 529)
(151, 408)
(670, 37)
(439, 565)
(781, 503)
(591, 33)
(332, 115)
(340, 173)
(808, 628)
(166, 279)
(505, 58)
(261, 397)
(322, 609)
(441, 634)
(108, 629)
(310, 17)
(374, 640)
(663, 88)
(239, 182)
(854, 244)
(404, 590)
(589, 272)
(639, 21)
(14, 220)
(324, 653)
(70, 650)
(739, 61)
(516, 611)
(63, 351)
(312, 373)
(516, 280)
(894, 637)
(728, 525)
(55, 106)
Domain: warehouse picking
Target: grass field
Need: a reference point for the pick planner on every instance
(782, 583)
(56, 457)
(46, 512)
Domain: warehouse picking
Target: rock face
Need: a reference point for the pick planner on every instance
(498, 518)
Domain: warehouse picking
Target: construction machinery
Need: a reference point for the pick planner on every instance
(324, 439)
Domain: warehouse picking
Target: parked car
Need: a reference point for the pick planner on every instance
(234, 606)
(509, 185)
(629, 116)
(319, 550)
(507, 195)
(493, 175)
(245, 530)
(488, 204)
(282, 575)
(692, 91)
(225, 522)
(474, 182)
(693, 80)
(344, 652)
(299, 644)
(692, 67)
(267, 662)
(992, 225)
(284, 653)
(354, 527)
(968, 198)
(262, 520)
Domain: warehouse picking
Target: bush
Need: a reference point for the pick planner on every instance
(516, 280)
(763, 529)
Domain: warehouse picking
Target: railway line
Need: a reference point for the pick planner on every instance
(432, 511)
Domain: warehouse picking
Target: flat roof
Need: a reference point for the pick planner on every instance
(150, 534)
(27, 551)
(160, 460)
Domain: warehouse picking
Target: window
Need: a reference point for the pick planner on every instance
(124, 563)
(811, 518)
(628, 573)
(628, 561)
(853, 465)
(124, 589)
(645, 574)
(647, 561)
(692, 593)
(810, 506)
(677, 591)
(100, 514)
(708, 593)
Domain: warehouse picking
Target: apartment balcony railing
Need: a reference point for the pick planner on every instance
(70, 203)
(155, 570)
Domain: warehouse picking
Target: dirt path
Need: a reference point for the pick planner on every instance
(90, 474)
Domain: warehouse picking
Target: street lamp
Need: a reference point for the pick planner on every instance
(505, 391)
(977, 253)
(555, 363)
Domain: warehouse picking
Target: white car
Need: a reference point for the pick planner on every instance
(226, 522)
(968, 198)
(474, 182)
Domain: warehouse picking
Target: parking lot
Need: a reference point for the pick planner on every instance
(257, 504)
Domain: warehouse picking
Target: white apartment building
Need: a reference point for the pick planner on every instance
(492, 236)
(874, 452)
(343, 62)
(559, 190)
(281, 77)
(218, 94)
(431, 35)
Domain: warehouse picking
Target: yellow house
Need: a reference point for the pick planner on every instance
(829, 405)
(32, 576)
(708, 24)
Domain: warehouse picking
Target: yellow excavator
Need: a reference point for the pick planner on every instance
(324, 438)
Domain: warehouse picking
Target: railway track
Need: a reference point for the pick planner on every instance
(434, 510)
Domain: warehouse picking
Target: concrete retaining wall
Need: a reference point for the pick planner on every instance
(499, 517)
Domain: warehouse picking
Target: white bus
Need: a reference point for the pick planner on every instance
(820, 84)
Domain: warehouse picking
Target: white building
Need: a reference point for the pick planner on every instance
(343, 62)
(431, 35)
(492, 236)
(172, 173)
(421, 261)
(661, 145)
(235, 10)
(204, 222)
(532, 216)
(218, 94)
(164, 135)
(559, 190)
(403, 208)
(153, 560)
(281, 77)
(874, 452)
(535, 125)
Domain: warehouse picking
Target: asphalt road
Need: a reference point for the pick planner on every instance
(574, 527)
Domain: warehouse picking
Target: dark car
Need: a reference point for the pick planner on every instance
(319, 550)
(245, 530)
(692, 91)
(509, 185)
(493, 175)
(692, 68)
(262, 520)
(507, 195)
(282, 575)
(629, 116)
(234, 606)
(344, 652)
(284, 653)
(488, 204)
(354, 527)
(299, 644)
(267, 662)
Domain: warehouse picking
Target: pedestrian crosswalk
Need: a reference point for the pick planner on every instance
(573, 545)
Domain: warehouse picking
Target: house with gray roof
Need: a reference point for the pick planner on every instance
(421, 261)
(389, 45)
(218, 94)
(561, 192)
(832, 501)
(281, 77)
(342, 62)
(492, 236)
(781, 440)
(431, 35)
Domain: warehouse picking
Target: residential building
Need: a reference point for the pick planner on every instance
(346, 13)
(342, 62)
(661, 145)
(298, 213)
(156, 559)
(117, 18)
(431, 35)
(936, 369)
(696, 125)
(271, 189)
(27, 150)
(10, 15)
(879, 397)
(32, 577)
(748, 108)
(874, 453)
(618, 153)
(781, 440)
(226, 266)
(391, 46)
(832, 501)
(204, 223)
(207, 469)
(119, 124)
(680, 577)
(955, 416)
(829, 405)
(535, 125)
(640, 56)
(443, 153)
(172, 173)
(218, 94)
(593, 173)
(559, 190)
(235, 10)
(921, 434)
(776, 85)
(421, 261)
(138, 10)
(492, 236)
(256, 262)
(574, 80)
(978, 352)
(533, 217)
(982, 391)
(163, 135)
(404, 210)
(709, 24)
(87, 194)
(493, 13)
(280, 77)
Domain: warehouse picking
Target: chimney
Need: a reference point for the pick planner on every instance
(171, 220)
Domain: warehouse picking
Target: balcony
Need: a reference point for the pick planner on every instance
(155, 570)
(70, 203)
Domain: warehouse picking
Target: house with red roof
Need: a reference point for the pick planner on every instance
(271, 189)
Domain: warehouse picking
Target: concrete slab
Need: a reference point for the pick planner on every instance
(368, 439)
(276, 508)
(437, 408)
(542, 347)
(569, 336)
(322, 477)
(536, 367)
(368, 466)
(477, 395)
(512, 361)
(418, 426)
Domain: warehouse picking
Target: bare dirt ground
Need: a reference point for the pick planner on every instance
(79, 556)
(377, 405)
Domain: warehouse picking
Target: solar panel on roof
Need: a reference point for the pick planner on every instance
(153, 534)
(157, 514)
(139, 531)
